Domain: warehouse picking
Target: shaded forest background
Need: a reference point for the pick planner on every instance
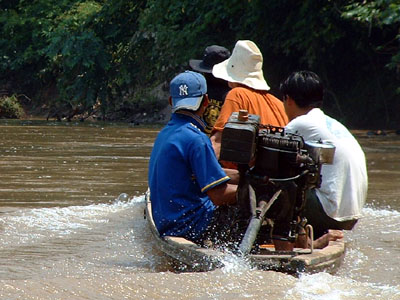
(113, 59)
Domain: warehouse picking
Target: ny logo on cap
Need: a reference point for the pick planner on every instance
(183, 90)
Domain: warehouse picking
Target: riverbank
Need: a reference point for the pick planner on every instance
(141, 117)
(156, 113)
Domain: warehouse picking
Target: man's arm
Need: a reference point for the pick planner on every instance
(233, 174)
(223, 194)
(216, 142)
(230, 105)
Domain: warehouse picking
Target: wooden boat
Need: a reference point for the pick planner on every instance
(297, 261)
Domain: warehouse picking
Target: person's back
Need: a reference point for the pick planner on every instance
(346, 178)
(268, 107)
(244, 74)
(338, 202)
(187, 184)
(179, 206)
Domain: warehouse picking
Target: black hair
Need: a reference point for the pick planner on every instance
(305, 88)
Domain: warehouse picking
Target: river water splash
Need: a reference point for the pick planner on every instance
(64, 234)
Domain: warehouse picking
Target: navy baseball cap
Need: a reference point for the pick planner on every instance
(187, 90)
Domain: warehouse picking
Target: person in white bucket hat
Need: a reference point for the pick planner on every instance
(249, 90)
(244, 66)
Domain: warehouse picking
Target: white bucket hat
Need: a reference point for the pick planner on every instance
(244, 66)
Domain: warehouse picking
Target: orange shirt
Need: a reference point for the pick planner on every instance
(269, 108)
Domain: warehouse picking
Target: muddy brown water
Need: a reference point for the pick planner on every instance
(65, 235)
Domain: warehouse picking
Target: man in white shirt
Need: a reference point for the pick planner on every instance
(338, 202)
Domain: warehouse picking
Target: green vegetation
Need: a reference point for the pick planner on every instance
(10, 108)
(106, 58)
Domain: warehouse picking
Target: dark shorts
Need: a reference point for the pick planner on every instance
(319, 220)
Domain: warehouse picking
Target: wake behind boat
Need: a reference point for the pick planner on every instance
(198, 258)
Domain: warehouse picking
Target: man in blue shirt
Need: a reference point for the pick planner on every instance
(187, 184)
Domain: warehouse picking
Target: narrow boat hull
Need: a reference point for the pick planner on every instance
(198, 258)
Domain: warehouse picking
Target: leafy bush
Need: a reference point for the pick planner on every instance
(10, 108)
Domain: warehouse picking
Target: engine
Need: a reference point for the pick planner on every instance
(272, 162)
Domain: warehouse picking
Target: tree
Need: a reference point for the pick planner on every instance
(111, 54)
(383, 15)
(381, 19)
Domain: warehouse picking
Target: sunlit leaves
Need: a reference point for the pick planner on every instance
(382, 14)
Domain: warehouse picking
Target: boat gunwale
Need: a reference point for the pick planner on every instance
(206, 259)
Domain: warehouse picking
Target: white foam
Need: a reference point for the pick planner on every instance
(369, 211)
(30, 224)
(235, 264)
(323, 286)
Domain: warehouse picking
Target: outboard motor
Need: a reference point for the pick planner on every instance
(276, 169)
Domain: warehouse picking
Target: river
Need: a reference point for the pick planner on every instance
(65, 235)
